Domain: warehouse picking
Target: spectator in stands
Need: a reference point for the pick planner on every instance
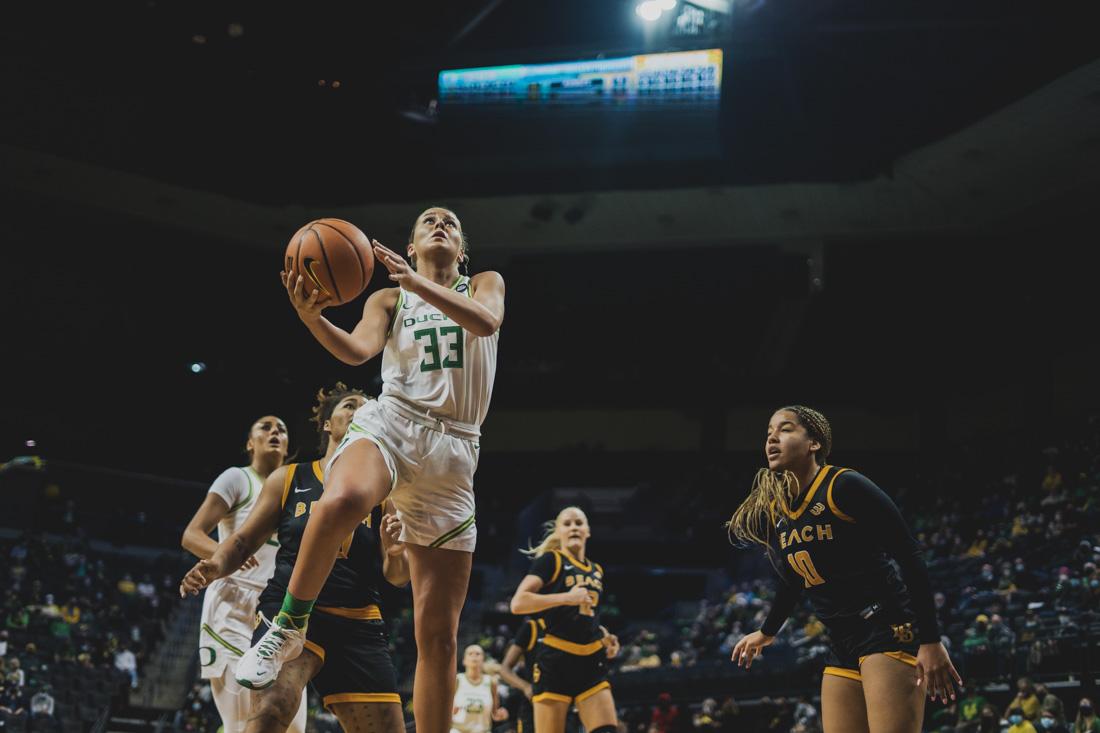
(3, 643)
(970, 707)
(1086, 721)
(16, 675)
(1026, 700)
(1049, 723)
(18, 616)
(1002, 641)
(1050, 703)
(665, 715)
(12, 701)
(1017, 723)
(729, 715)
(707, 718)
(42, 703)
(125, 661)
(1052, 481)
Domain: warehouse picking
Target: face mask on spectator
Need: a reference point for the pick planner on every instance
(1086, 709)
(1015, 719)
(1046, 722)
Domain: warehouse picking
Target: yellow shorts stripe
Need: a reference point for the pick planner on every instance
(605, 685)
(543, 696)
(391, 697)
(900, 656)
(850, 674)
(315, 648)
(367, 613)
(582, 650)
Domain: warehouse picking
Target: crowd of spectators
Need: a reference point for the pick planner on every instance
(76, 624)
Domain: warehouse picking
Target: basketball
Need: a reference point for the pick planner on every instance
(334, 256)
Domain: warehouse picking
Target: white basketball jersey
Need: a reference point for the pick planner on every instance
(474, 705)
(434, 364)
(240, 487)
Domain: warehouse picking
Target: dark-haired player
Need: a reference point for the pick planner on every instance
(830, 533)
(346, 653)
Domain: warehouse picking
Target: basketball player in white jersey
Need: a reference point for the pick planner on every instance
(417, 443)
(477, 704)
(229, 606)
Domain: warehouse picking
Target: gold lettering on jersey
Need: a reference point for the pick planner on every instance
(584, 581)
(816, 509)
(805, 534)
(903, 633)
(299, 509)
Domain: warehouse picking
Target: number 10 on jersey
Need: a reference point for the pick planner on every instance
(449, 338)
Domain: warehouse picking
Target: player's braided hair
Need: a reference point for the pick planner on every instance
(772, 493)
(550, 540)
(327, 400)
(463, 256)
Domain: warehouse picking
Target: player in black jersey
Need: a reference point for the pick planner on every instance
(830, 533)
(564, 587)
(522, 652)
(349, 661)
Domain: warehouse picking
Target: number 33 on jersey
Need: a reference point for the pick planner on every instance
(432, 362)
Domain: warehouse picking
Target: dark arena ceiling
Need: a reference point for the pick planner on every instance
(239, 98)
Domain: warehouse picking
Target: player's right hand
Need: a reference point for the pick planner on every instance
(309, 302)
(576, 596)
(203, 574)
(750, 647)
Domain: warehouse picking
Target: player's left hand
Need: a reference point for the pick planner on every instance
(391, 535)
(935, 666)
(500, 714)
(401, 271)
(611, 645)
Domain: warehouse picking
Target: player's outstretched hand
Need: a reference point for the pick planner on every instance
(934, 665)
(401, 272)
(750, 647)
(308, 301)
(203, 574)
(611, 646)
(391, 535)
(577, 596)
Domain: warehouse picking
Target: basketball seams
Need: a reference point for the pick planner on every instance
(354, 249)
(328, 266)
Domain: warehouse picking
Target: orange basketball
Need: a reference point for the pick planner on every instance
(333, 256)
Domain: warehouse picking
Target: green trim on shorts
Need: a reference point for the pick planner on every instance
(223, 642)
(447, 537)
(247, 470)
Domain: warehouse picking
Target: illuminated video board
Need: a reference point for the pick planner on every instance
(689, 76)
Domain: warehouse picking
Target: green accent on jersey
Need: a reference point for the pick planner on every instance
(430, 349)
(247, 470)
(445, 538)
(214, 635)
(456, 362)
(273, 543)
(396, 311)
(456, 283)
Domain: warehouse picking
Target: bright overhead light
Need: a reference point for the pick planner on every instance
(666, 4)
(650, 10)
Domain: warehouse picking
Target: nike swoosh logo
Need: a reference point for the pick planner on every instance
(568, 567)
(300, 491)
(308, 264)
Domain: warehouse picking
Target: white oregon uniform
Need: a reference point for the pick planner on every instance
(437, 381)
(473, 706)
(229, 605)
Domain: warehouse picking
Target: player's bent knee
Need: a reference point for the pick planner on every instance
(436, 642)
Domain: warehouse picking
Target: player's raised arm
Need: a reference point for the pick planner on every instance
(368, 337)
(480, 313)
